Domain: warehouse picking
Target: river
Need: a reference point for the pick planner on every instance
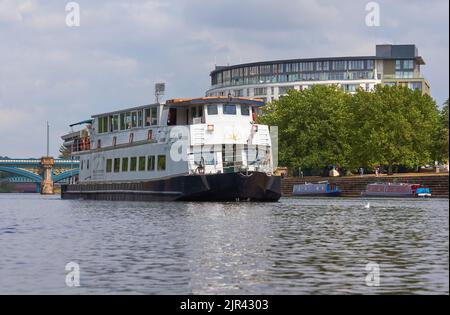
(295, 246)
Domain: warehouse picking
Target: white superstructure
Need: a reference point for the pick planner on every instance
(181, 137)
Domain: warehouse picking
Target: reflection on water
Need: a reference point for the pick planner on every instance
(296, 246)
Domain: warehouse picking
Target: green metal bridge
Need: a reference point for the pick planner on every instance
(32, 170)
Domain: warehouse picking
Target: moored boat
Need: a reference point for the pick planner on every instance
(204, 149)
(405, 190)
(324, 189)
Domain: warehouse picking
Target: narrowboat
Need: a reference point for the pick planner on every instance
(323, 189)
(397, 190)
(202, 149)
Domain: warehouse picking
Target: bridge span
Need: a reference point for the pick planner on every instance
(44, 172)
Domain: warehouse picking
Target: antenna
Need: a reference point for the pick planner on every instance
(160, 89)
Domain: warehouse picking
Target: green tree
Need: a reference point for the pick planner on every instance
(313, 127)
(64, 152)
(392, 126)
(442, 135)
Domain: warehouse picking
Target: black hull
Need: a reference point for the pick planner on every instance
(258, 187)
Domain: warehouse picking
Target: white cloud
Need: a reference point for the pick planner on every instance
(50, 71)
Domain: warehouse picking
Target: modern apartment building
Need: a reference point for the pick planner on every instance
(391, 65)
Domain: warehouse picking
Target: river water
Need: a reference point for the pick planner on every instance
(296, 246)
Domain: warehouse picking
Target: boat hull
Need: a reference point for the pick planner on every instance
(330, 194)
(394, 195)
(258, 187)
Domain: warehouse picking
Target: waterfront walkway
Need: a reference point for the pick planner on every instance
(353, 186)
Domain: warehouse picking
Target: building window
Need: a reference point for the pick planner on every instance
(245, 110)
(265, 69)
(339, 65)
(260, 91)
(141, 163)
(151, 163)
(125, 164)
(131, 139)
(404, 74)
(238, 93)
(408, 64)
(415, 86)
(150, 135)
(398, 64)
(229, 109)
(133, 164)
(161, 162)
(356, 65)
(212, 109)
(116, 165)
(284, 89)
(370, 64)
(108, 165)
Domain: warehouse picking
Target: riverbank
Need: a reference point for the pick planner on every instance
(353, 186)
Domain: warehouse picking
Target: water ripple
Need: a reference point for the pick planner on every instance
(296, 246)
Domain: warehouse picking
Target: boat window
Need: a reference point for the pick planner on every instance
(245, 110)
(87, 164)
(133, 164)
(128, 120)
(151, 116)
(108, 166)
(161, 162)
(103, 124)
(82, 164)
(140, 119)
(212, 110)
(172, 117)
(110, 126)
(151, 163)
(125, 164)
(229, 109)
(154, 112)
(115, 122)
(122, 121)
(141, 163)
(116, 165)
(133, 119)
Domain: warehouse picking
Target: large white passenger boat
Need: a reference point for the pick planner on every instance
(205, 149)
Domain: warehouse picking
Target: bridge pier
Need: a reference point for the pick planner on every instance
(47, 182)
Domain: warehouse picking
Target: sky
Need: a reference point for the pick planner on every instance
(50, 71)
